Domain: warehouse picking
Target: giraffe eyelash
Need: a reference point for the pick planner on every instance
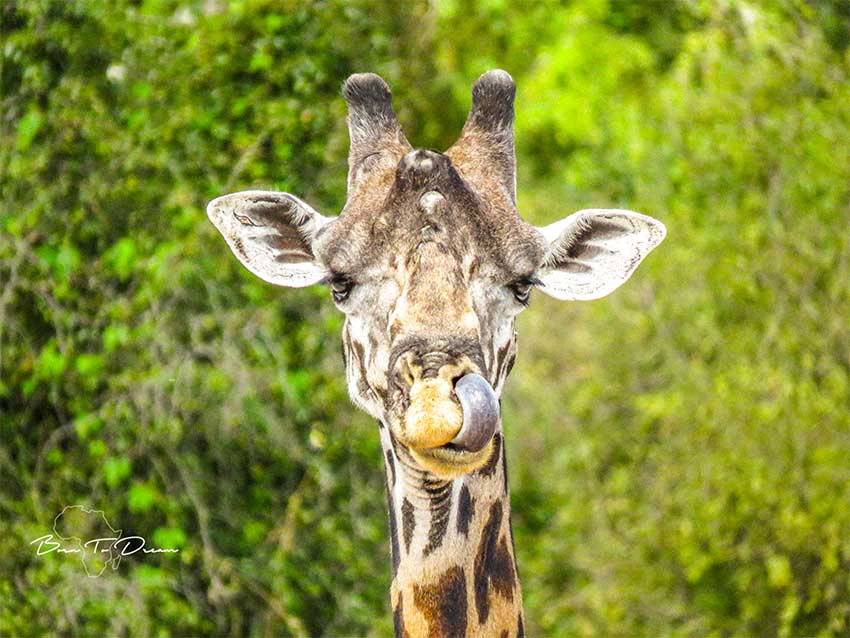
(521, 289)
(340, 286)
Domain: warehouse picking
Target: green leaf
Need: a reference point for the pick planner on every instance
(97, 448)
(260, 61)
(121, 257)
(115, 335)
(115, 470)
(778, 571)
(149, 577)
(87, 425)
(89, 365)
(141, 90)
(28, 127)
(51, 363)
(66, 262)
(141, 497)
(254, 531)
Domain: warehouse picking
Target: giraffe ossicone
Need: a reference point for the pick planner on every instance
(431, 263)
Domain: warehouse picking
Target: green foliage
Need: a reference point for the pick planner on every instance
(689, 434)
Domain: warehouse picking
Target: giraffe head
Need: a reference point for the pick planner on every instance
(431, 263)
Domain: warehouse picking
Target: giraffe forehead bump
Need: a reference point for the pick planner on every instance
(429, 201)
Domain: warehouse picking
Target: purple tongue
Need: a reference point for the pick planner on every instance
(480, 412)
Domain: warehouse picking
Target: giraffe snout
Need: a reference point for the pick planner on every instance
(443, 410)
(434, 414)
(425, 373)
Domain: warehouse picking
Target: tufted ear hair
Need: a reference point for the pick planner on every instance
(272, 234)
(488, 133)
(592, 252)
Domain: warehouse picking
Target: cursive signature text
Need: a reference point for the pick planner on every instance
(124, 546)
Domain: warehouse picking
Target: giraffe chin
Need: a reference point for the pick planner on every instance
(450, 462)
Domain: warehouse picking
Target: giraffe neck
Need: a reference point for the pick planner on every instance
(454, 571)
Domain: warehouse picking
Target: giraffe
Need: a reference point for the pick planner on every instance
(430, 262)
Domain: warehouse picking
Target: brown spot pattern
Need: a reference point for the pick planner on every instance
(493, 565)
(440, 511)
(502, 575)
(398, 619)
(408, 523)
(444, 604)
(360, 355)
(510, 364)
(501, 358)
(391, 466)
(465, 510)
(394, 549)
(505, 471)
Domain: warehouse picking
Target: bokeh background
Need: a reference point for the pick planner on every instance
(679, 452)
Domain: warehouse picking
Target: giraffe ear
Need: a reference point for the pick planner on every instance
(272, 234)
(592, 252)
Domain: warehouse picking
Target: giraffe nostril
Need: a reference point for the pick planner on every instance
(407, 372)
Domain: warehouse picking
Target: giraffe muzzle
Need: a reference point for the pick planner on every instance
(453, 435)
(462, 417)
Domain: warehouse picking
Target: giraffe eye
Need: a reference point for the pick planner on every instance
(522, 289)
(340, 288)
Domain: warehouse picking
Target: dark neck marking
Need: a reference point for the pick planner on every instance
(444, 604)
(494, 565)
(440, 511)
(394, 549)
(465, 510)
(408, 523)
